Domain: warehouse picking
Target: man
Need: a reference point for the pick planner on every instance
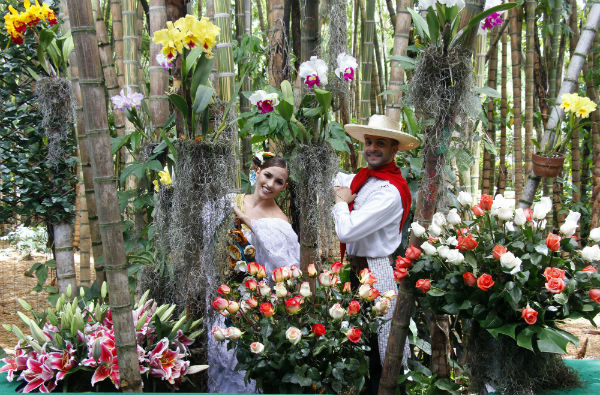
(372, 206)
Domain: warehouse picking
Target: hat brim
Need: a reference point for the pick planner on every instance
(406, 142)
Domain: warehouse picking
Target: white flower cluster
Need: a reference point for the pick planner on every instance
(425, 4)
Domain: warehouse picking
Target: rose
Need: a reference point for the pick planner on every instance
(528, 214)
(591, 254)
(337, 312)
(413, 253)
(280, 290)
(390, 294)
(218, 334)
(486, 202)
(399, 274)
(453, 218)
(278, 275)
(293, 334)
(454, 256)
(264, 289)
(256, 347)
(305, 289)
(251, 284)
(452, 241)
(224, 289)
(443, 251)
(382, 306)
(542, 208)
(251, 302)
(233, 307)
(233, 333)
(325, 278)
(485, 282)
(465, 199)
(466, 242)
(520, 217)
(292, 306)
(266, 309)
(220, 304)
(295, 271)
(553, 241)
(439, 219)
(434, 230)
(555, 285)
(595, 295)
(589, 269)
(262, 272)
(402, 262)
(366, 277)
(469, 279)
(477, 211)
(353, 335)
(253, 268)
(570, 225)
(595, 234)
(553, 272)
(423, 285)
(363, 291)
(319, 330)
(529, 315)
(417, 229)
(373, 294)
(498, 251)
(312, 270)
(510, 262)
(428, 248)
(353, 308)
(347, 287)
(336, 267)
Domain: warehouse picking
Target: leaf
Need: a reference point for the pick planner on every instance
(116, 143)
(525, 338)
(411, 121)
(542, 249)
(201, 73)
(287, 93)
(202, 98)
(190, 61)
(46, 37)
(507, 329)
(285, 109)
(550, 341)
(324, 98)
(179, 103)
(420, 24)
(487, 91)
(447, 385)
(436, 292)
(67, 46)
(406, 62)
(434, 26)
(312, 112)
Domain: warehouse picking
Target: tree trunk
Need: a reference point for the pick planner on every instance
(63, 255)
(515, 27)
(502, 171)
(575, 148)
(309, 10)
(531, 31)
(556, 6)
(568, 85)
(392, 12)
(261, 20)
(470, 178)
(489, 160)
(296, 31)
(159, 78)
(595, 132)
(224, 50)
(278, 47)
(85, 277)
(96, 125)
(401, 36)
(366, 58)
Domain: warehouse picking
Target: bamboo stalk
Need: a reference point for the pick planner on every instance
(575, 149)
(531, 30)
(159, 78)
(261, 21)
(226, 74)
(366, 61)
(489, 160)
(117, 33)
(515, 43)
(502, 171)
(309, 10)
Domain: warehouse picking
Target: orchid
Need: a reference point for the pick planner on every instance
(265, 102)
(165, 63)
(347, 66)
(128, 100)
(313, 72)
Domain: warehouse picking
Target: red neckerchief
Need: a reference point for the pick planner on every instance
(393, 175)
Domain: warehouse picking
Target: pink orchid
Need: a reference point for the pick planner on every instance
(39, 374)
(167, 364)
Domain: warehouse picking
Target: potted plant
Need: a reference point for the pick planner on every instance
(549, 161)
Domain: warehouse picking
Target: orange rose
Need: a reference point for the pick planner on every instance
(595, 295)
(555, 285)
(423, 285)
(477, 211)
(529, 315)
(486, 202)
(498, 251)
(413, 253)
(485, 282)
(553, 272)
(466, 242)
(589, 269)
(553, 242)
(402, 262)
(469, 279)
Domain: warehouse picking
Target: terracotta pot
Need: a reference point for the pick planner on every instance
(546, 166)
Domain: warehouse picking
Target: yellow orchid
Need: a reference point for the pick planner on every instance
(579, 106)
(568, 100)
(164, 179)
(14, 25)
(209, 33)
(190, 30)
(171, 39)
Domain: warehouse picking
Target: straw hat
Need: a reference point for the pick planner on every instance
(382, 126)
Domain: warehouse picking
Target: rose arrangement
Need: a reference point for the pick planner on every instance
(76, 340)
(500, 267)
(296, 334)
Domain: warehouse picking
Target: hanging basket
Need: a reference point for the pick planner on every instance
(547, 166)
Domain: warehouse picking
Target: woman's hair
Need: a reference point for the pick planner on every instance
(274, 161)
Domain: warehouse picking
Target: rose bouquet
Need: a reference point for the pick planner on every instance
(301, 335)
(502, 268)
(74, 344)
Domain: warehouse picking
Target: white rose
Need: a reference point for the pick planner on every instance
(542, 208)
(264, 289)
(233, 333)
(439, 219)
(305, 289)
(382, 306)
(595, 234)
(454, 256)
(218, 333)
(293, 334)
(453, 218)
(452, 241)
(502, 208)
(434, 230)
(443, 251)
(465, 199)
(256, 347)
(390, 294)
(510, 262)
(337, 311)
(510, 226)
(591, 254)
(280, 290)
(363, 291)
(417, 229)
(428, 248)
(520, 217)
(570, 225)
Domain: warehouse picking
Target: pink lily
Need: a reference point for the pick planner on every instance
(39, 375)
(63, 361)
(16, 364)
(165, 363)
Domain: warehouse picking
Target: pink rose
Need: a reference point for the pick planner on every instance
(529, 315)
(256, 347)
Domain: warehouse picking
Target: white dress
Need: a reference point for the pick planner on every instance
(276, 245)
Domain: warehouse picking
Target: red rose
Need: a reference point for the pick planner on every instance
(266, 309)
(595, 295)
(336, 267)
(589, 269)
(555, 285)
(251, 284)
(462, 232)
(353, 308)
(485, 282)
(477, 211)
(413, 253)
(466, 242)
(498, 251)
(399, 274)
(224, 289)
(253, 268)
(469, 279)
(292, 305)
(318, 330)
(423, 285)
(528, 213)
(553, 242)
(529, 315)
(220, 304)
(402, 262)
(486, 202)
(353, 335)
(553, 272)
(373, 294)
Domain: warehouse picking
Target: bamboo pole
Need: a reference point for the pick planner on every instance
(489, 160)
(309, 10)
(117, 34)
(159, 78)
(366, 61)
(261, 21)
(515, 43)
(531, 30)
(575, 148)
(96, 126)
(278, 48)
(224, 55)
(502, 170)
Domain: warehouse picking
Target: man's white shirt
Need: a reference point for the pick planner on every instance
(372, 228)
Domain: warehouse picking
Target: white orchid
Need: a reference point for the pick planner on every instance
(542, 208)
(347, 66)
(164, 61)
(264, 101)
(313, 72)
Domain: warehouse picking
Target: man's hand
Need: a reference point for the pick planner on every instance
(343, 194)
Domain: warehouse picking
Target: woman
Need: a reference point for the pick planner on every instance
(268, 229)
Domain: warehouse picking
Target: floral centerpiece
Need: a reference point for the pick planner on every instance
(298, 334)
(72, 346)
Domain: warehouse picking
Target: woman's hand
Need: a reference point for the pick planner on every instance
(243, 217)
(343, 194)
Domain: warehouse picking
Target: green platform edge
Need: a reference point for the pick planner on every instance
(587, 369)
